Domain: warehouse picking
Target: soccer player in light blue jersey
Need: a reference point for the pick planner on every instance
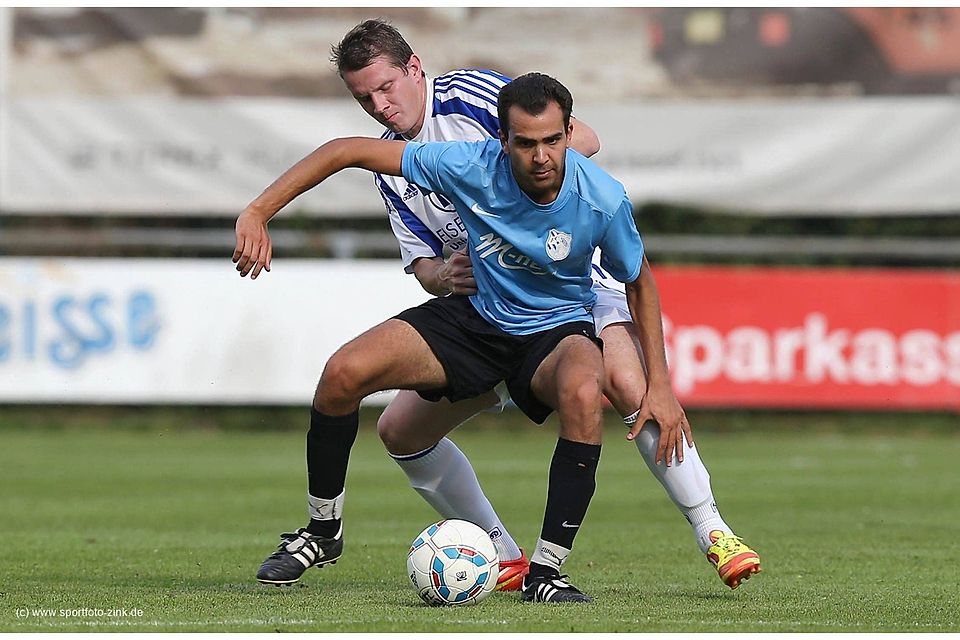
(386, 78)
(534, 213)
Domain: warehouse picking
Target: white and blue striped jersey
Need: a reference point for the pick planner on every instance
(461, 106)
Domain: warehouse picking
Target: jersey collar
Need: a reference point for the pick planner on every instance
(427, 110)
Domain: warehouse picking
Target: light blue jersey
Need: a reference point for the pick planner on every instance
(531, 261)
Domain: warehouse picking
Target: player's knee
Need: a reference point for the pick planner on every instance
(582, 396)
(589, 392)
(340, 382)
(624, 390)
(388, 428)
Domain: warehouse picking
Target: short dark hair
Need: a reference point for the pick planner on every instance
(532, 92)
(368, 40)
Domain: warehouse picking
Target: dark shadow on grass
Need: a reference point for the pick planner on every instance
(265, 589)
(703, 595)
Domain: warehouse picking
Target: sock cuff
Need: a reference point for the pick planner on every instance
(410, 457)
(705, 510)
(549, 555)
(325, 508)
(352, 419)
(631, 419)
(578, 451)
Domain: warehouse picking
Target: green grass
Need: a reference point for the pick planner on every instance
(858, 532)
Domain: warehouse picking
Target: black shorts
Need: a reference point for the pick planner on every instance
(476, 355)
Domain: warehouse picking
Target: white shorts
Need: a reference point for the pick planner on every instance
(610, 308)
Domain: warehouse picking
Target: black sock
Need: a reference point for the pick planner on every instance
(573, 473)
(323, 528)
(329, 441)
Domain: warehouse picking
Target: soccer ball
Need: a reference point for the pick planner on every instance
(453, 562)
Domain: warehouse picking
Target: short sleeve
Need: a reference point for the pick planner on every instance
(432, 165)
(414, 237)
(621, 247)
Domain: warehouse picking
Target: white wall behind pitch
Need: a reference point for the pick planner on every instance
(183, 331)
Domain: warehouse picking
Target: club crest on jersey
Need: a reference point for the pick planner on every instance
(558, 244)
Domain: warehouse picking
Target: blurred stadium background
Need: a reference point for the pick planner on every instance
(794, 173)
(758, 145)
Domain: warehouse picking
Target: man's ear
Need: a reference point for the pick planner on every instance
(414, 66)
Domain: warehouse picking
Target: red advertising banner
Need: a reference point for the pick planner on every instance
(813, 338)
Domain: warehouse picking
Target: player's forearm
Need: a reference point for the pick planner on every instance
(427, 272)
(584, 139)
(381, 156)
(643, 299)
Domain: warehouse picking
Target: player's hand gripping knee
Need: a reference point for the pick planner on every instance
(254, 248)
(661, 405)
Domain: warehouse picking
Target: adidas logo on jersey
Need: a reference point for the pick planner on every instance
(411, 192)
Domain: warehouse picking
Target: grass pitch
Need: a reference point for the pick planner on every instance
(857, 532)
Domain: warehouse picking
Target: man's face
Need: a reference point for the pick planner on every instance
(393, 96)
(537, 146)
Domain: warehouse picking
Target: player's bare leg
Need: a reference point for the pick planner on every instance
(687, 482)
(570, 381)
(391, 355)
(411, 424)
(414, 432)
(388, 356)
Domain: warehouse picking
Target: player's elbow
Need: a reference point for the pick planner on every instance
(587, 142)
(592, 145)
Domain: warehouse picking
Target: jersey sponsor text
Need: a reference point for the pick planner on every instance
(507, 256)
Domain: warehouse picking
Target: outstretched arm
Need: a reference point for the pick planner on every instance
(254, 249)
(659, 402)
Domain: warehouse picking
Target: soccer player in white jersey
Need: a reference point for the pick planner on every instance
(535, 212)
(386, 78)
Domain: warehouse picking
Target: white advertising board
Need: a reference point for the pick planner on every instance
(150, 156)
(184, 331)
(154, 156)
(838, 156)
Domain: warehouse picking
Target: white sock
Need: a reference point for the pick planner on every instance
(687, 483)
(704, 518)
(549, 554)
(446, 480)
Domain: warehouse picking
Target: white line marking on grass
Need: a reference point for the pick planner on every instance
(173, 623)
(259, 622)
(803, 623)
(237, 622)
